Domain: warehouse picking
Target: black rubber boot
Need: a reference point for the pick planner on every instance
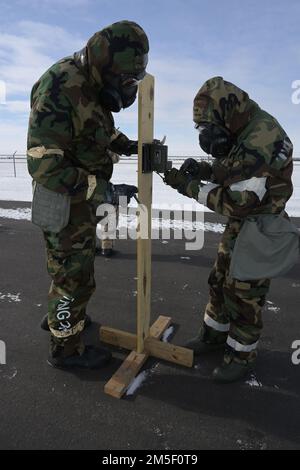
(92, 358)
(200, 347)
(206, 342)
(232, 370)
(45, 326)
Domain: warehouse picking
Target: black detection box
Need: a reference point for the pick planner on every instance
(155, 158)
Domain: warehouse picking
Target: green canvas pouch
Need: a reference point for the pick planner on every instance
(50, 210)
(266, 247)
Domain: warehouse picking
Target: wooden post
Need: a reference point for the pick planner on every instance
(146, 342)
(145, 133)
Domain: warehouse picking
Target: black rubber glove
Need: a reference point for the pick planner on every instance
(131, 148)
(184, 183)
(198, 170)
(116, 191)
(177, 180)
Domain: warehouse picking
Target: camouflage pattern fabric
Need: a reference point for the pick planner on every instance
(262, 150)
(121, 48)
(233, 312)
(255, 178)
(69, 130)
(69, 136)
(70, 261)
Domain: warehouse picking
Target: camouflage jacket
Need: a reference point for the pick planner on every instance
(255, 178)
(69, 131)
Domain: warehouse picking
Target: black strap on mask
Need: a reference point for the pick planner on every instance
(215, 140)
(120, 91)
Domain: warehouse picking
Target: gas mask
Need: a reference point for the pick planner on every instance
(215, 140)
(120, 91)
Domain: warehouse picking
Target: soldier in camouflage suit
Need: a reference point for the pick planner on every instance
(71, 129)
(250, 175)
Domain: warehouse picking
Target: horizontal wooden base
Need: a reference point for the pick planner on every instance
(121, 380)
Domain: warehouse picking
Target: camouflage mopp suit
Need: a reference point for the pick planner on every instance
(70, 133)
(255, 178)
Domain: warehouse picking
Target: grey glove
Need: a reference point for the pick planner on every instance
(115, 191)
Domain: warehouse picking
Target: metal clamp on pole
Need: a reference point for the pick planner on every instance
(155, 158)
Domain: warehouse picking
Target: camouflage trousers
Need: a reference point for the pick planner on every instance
(234, 311)
(70, 262)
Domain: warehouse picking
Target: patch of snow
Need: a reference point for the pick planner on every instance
(11, 374)
(272, 307)
(159, 432)
(244, 445)
(167, 334)
(137, 382)
(10, 297)
(143, 376)
(16, 214)
(14, 374)
(253, 382)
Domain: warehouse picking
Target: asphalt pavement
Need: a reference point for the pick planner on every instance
(175, 407)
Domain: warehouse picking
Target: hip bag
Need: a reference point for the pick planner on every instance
(50, 210)
(266, 247)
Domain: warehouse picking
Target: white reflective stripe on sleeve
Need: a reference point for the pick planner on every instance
(223, 327)
(39, 152)
(257, 185)
(234, 344)
(203, 192)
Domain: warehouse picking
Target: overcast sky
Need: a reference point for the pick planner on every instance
(253, 43)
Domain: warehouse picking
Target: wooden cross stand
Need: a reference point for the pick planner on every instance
(147, 340)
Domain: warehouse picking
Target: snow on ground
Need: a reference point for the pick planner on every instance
(15, 189)
(10, 297)
(253, 381)
(167, 334)
(20, 189)
(137, 382)
(130, 222)
(271, 307)
(16, 214)
(141, 378)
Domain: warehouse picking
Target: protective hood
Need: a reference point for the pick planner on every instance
(120, 48)
(222, 103)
